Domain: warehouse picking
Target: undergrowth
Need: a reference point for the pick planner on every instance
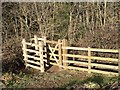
(24, 80)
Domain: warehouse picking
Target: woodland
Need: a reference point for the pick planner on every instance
(83, 24)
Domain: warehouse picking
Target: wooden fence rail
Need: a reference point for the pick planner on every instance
(62, 57)
(89, 59)
(92, 49)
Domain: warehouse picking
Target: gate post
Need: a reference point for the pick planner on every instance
(36, 43)
(89, 60)
(45, 46)
(24, 51)
(64, 43)
(119, 67)
(60, 53)
(45, 50)
(41, 56)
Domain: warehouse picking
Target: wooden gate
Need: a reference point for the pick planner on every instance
(52, 51)
(55, 54)
(58, 53)
(33, 55)
(45, 53)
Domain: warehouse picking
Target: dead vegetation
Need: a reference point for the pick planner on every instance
(69, 79)
(81, 23)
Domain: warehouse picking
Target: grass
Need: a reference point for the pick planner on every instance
(64, 79)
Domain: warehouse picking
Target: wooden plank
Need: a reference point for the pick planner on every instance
(36, 42)
(54, 54)
(45, 49)
(34, 51)
(31, 39)
(104, 50)
(29, 50)
(54, 49)
(95, 71)
(93, 64)
(41, 39)
(52, 59)
(31, 44)
(103, 58)
(92, 57)
(36, 58)
(32, 56)
(29, 56)
(105, 66)
(54, 64)
(41, 56)
(64, 43)
(24, 51)
(74, 48)
(60, 53)
(36, 67)
(77, 62)
(89, 60)
(34, 62)
(92, 49)
(77, 68)
(45, 60)
(119, 67)
(77, 56)
(51, 42)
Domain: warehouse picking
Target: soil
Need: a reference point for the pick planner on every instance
(55, 78)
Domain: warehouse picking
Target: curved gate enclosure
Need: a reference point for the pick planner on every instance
(40, 53)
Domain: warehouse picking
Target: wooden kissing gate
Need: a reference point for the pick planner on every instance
(40, 53)
(43, 53)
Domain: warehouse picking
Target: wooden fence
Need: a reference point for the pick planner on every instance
(89, 60)
(48, 52)
(30, 60)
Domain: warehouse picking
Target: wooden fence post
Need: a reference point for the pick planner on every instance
(64, 43)
(119, 67)
(89, 60)
(60, 53)
(36, 42)
(41, 56)
(24, 51)
(45, 49)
